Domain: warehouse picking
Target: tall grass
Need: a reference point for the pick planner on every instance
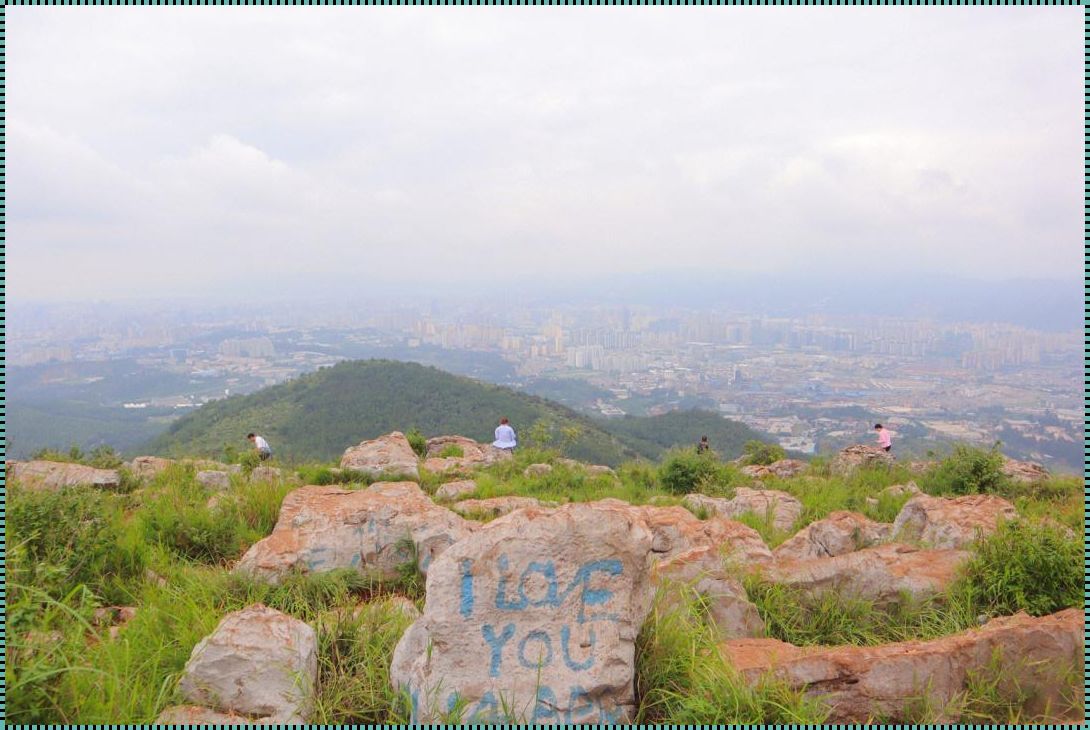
(681, 677)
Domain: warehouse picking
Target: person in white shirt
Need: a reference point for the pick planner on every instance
(505, 436)
(264, 451)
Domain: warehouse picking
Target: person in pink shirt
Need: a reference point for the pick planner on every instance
(885, 441)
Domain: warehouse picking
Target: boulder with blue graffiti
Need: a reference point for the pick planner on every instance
(533, 618)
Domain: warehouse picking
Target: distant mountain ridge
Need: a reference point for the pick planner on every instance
(318, 415)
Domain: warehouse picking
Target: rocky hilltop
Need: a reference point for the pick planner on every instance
(539, 608)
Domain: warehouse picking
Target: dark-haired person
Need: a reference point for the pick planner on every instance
(505, 436)
(885, 440)
(703, 446)
(264, 451)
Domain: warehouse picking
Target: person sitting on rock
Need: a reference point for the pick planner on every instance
(703, 447)
(505, 436)
(885, 441)
(264, 451)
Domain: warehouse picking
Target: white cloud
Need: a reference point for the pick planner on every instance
(170, 145)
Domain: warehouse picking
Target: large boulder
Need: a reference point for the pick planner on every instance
(456, 490)
(882, 574)
(951, 523)
(58, 475)
(265, 474)
(1025, 472)
(783, 509)
(837, 534)
(325, 528)
(859, 683)
(859, 456)
(495, 506)
(389, 455)
(533, 618)
(474, 454)
(258, 662)
(149, 467)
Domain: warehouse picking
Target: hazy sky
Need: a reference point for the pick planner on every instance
(160, 151)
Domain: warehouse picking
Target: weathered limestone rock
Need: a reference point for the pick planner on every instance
(858, 457)
(1026, 472)
(454, 490)
(881, 573)
(214, 479)
(951, 523)
(837, 534)
(783, 469)
(783, 508)
(265, 474)
(474, 454)
(675, 530)
(149, 467)
(390, 454)
(537, 612)
(701, 571)
(537, 470)
(495, 506)
(58, 475)
(860, 683)
(258, 662)
(325, 528)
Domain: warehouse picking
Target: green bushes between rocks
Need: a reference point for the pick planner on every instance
(968, 470)
(759, 453)
(1036, 568)
(683, 471)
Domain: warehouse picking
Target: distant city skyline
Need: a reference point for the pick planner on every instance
(246, 152)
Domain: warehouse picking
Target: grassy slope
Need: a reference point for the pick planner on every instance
(79, 674)
(316, 416)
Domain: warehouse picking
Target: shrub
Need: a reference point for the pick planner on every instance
(967, 470)
(249, 460)
(683, 471)
(1036, 568)
(761, 454)
(417, 441)
(451, 450)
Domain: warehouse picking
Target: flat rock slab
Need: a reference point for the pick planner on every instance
(455, 490)
(214, 479)
(495, 506)
(861, 683)
(149, 467)
(389, 455)
(474, 454)
(837, 534)
(58, 475)
(880, 574)
(536, 612)
(326, 528)
(258, 662)
(783, 508)
(951, 523)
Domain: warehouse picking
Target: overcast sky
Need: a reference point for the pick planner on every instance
(161, 151)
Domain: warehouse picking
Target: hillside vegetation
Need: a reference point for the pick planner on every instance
(316, 416)
(167, 547)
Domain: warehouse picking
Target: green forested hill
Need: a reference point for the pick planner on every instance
(317, 416)
(651, 435)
